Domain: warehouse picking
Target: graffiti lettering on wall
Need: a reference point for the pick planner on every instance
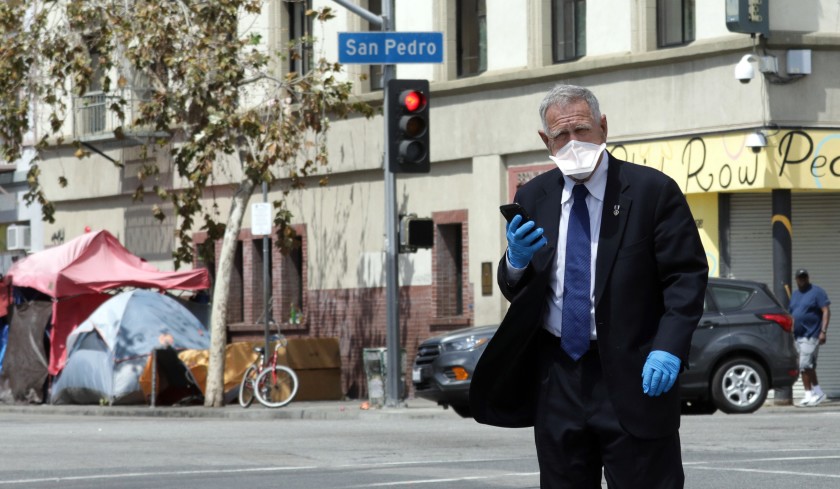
(699, 171)
(797, 147)
(792, 159)
(796, 159)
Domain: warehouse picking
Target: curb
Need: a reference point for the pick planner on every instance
(311, 410)
(326, 410)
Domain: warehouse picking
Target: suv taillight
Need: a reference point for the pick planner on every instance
(783, 320)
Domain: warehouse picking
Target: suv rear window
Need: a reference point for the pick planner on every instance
(730, 298)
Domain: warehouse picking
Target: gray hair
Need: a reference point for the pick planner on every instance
(565, 95)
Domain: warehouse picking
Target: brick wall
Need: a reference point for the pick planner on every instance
(357, 317)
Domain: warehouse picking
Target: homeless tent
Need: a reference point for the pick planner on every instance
(26, 353)
(75, 276)
(109, 351)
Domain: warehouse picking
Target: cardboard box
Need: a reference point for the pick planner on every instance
(317, 363)
(320, 384)
(309, 353)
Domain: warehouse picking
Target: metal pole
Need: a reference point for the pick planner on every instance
(365, 14)
(266, 245)
(782, 265)
(392, 343)
(154, 377)
(392, 391)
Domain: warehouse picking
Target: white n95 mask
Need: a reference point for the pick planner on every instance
(578, 159)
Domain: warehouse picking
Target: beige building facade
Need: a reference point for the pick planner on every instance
(664, 72)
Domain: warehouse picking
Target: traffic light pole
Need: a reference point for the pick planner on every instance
(392, 296)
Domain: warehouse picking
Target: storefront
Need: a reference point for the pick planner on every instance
(738, 234)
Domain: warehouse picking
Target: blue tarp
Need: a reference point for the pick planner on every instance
(4, 338)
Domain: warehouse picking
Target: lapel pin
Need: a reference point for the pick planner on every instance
(616, 209)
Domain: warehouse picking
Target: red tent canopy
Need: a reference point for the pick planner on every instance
(93, 263)
(77, 274)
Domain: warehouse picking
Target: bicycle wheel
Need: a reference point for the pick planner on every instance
(276, 386)
(246, 388)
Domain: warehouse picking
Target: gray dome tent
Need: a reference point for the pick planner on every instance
(107, 353)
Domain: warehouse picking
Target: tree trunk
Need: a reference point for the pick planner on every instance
(215, 390)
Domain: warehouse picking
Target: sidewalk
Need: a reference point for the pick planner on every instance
(326, 410)
(350, 409)
(827, 405)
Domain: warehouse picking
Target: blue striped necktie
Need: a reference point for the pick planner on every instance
(575, 329)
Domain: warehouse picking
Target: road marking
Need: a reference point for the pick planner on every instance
(254, 470)
(774, 472)
(775, 459)
(148, 474)
(428, 462)
(440, 481)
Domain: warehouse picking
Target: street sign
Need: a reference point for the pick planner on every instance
(261, 218)
(384, 48)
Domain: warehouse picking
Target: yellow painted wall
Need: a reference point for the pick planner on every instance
(705, 210)
(795, 159)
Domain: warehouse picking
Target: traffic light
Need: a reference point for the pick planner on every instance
(408, 126)
(416, 232)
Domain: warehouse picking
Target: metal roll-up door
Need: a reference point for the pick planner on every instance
(751, 238)
(816, 233)
(751, 246)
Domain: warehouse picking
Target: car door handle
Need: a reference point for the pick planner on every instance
(708, 324)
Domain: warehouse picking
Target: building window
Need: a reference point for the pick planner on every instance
(91, 108)
(236, 299)
(376, 71)
(472, 37)
(204, 256)
(674, 22)
(290, 298)
(300, 36)
(257, 272)
(450, 268)
(568, 29)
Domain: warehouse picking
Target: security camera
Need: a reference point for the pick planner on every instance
(755, 141)
(744, 71)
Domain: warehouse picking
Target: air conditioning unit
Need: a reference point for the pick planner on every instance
(18, 237)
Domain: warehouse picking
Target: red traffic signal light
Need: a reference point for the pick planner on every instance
(407, 106)
(413, 100)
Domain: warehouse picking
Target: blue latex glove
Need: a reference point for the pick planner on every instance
(659, 373)
(523, 241)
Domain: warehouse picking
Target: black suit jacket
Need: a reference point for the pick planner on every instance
(650, 280)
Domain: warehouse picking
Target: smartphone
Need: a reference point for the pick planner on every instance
(510, 210)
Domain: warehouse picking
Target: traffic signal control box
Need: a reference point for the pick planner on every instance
(407, 112)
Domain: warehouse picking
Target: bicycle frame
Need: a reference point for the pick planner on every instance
(252, 383)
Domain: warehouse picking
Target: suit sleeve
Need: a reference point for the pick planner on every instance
(682, 269)
(511, 286)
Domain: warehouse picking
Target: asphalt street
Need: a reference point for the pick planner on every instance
(338, 445)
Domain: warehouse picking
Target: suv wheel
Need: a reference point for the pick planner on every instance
(739, 386)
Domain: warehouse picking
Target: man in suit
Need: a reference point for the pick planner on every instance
(606, 286)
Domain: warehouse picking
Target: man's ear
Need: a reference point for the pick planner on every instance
(604, 126)
(545, 139)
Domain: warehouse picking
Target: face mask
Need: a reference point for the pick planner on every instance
(578, 159)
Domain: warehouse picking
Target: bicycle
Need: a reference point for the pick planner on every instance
(273, 385)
